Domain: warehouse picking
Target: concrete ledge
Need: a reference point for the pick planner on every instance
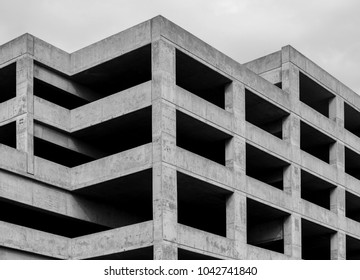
(318, 166)
(51, 114)
(352, 184)
(257, 253)
(273, 76)
(208, 112)
(52, 173)
(116, 45)
(205, 241)
(113, 241)
(11, 108)
(353, 227)
(203, 167)
(112, 167)
(12, 159)
(265, 63)
(34, 241)
(269, 194)
(110, 107)
(16, 47)
(319, 214)
(270, 143)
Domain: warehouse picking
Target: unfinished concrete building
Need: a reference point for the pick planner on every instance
(151, 144)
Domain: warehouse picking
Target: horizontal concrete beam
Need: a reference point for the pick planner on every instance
(208, 112)
(64, 83)
(13, 254)
(51, 114)
(113, 241)
(52, 173)
(112, 167)
(38, 195)
(12, 159)
(205, 241)
(65, 140)
(265, 63)
(11, 108)
(34, 241)
(203, 167)
(110, 107)
(16, 47)
(257, 253)
(113, 46)
(319, 214)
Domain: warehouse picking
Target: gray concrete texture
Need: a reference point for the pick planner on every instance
(151, 144)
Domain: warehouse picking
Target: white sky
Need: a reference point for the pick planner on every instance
(326, 31)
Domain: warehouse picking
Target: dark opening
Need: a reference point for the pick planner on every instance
(200, 138)
(57, 96)
(265, 226)
(201, 80)
(279, 85)
(131, 194)
(8, 82)
(352, 248)
(189, 255)
(315, 143)
(106, 137)
(264, 114)
(201, 205)
(352, 163)
(315, 240)
(352, 206)
(136, 254)
(265, 167)
(352, 119)
(31, 217)
(316, 190)
(8, 134)
(118, 74)
(314, 95)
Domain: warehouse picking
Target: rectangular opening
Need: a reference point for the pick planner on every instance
(316, 190)
(96, 141)
(8, 134)
(352, 248)
(352, 206)
(315, 142)
(265, 167)
(264, 114)
(352, 119)
(315, 240)
(35, 218)
(314, 95)
(200, 80)
(201, 205)
(352, 163)
(130, 195)
(200, 138)
(265, 226)
(118, 74)
(8, 82)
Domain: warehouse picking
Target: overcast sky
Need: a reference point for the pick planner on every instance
(326, 31)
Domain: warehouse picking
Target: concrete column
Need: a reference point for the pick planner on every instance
(236, 223)
(338, 246)
(164, 151)
(291, 130)
(292, 236)
(337, 110)
(292, 184)
(290, 78)
(25, 97)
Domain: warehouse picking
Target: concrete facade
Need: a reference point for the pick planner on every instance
(151, 144)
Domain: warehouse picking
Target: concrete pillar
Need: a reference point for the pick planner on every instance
(164, 150)
(290, 78)
(338, 246)
(292, 184)
(337, 110)
(235, 152)
(236, 223)
(25, 97)
(292, 236)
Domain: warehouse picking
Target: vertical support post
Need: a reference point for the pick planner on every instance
(235, 154)
(25, 122)
(338, 246)
(292, 236)
(164, 151)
